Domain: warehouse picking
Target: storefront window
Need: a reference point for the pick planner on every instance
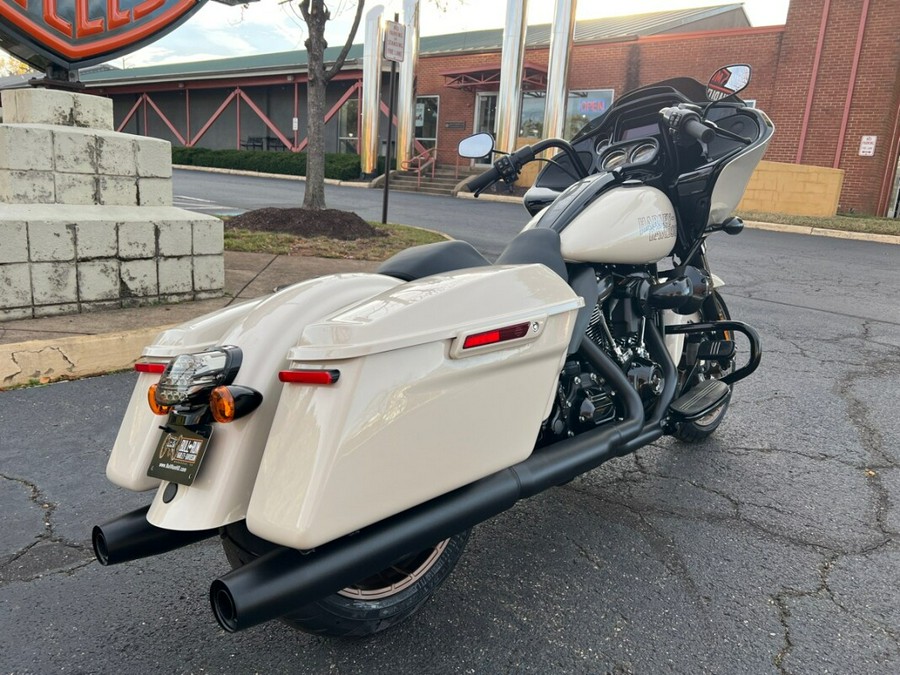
(348, 126)
(582, 107)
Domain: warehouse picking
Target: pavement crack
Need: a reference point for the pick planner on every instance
(872, 443)
(37, 498)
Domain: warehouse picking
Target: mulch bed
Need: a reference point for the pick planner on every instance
(307, 223)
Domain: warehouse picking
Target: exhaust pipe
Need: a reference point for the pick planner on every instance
(285, 579)
(130, 537)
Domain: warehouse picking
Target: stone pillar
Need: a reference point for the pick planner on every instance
(86, 215)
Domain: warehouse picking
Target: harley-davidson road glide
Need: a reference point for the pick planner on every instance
(342, 435)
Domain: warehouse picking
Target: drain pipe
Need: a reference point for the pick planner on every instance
(810, 93)
(852, 83)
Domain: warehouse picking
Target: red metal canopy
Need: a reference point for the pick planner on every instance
(487, 78)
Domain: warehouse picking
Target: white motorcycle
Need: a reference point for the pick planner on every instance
(342, 435)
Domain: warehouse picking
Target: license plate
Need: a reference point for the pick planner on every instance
(179, 453)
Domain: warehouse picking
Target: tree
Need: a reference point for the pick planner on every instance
(10, 65)
(316, 15)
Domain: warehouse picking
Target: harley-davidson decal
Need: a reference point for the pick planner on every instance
(75, 33)
(658, 226)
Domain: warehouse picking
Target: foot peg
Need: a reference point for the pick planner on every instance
(701, 400)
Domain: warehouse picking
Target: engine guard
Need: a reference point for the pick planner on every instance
(721, 328)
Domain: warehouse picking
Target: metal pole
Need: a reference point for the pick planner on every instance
(512, 59)
(406, 95)
(555, 102)
(371, 92)
(387, 151)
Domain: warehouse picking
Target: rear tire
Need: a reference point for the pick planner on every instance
(714, 309)
(374, 604)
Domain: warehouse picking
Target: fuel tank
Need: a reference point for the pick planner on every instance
(602, 221)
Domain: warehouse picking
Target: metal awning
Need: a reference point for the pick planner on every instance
(487, 78)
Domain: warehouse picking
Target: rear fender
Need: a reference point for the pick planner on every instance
(265, 330)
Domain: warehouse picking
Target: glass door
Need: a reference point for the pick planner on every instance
(486, 118)
(486, 113)
(427, 109)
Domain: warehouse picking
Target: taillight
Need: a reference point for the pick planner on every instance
(156, 406)
(491, 337)
(149, 367)
(309, 376)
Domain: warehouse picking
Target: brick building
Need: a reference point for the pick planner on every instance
(828, 78)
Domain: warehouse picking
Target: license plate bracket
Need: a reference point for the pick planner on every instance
(179, 453)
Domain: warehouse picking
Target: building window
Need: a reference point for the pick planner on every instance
(348, 127)
(581, 107)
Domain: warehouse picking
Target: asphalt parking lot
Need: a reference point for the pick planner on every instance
(772, 547)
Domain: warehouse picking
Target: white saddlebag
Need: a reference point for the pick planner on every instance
(415, 412)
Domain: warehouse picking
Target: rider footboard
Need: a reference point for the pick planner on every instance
(409, 395)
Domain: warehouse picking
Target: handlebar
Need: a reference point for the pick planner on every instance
(480, 183)
(685, 119)
(509, 166)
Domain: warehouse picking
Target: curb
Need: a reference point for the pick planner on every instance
(282, 176)
(822, 232)
(42, 361)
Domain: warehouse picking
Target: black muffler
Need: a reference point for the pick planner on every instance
(130, 537)
(286, 579)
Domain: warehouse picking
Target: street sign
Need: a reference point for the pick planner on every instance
(394, 41)
(867, 146)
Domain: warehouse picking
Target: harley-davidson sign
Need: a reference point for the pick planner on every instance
(77, 33)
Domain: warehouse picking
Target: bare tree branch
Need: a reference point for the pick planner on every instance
(339, 62)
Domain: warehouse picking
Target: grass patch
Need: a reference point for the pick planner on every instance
(868, 224)
(398, 238)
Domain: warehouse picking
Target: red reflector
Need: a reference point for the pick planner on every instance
(497, 335)
(144, 367)
(309, 376)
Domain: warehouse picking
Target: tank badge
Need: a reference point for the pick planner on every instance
(658, 226)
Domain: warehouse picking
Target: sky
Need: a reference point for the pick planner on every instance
(266, 26)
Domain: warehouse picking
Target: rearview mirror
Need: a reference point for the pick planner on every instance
(476, 146)
(728, 81)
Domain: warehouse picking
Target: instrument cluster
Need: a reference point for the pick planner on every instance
(631, 153)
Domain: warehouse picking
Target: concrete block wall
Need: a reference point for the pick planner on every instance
(86, 216)
(797, 189)
(49, 164)
(99, 258)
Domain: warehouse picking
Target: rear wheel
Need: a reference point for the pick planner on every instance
(692, 371)
(369, 606)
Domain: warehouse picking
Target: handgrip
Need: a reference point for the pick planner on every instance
(485, 180)
(696, 129)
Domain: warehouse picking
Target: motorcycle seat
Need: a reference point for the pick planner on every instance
(531, 246)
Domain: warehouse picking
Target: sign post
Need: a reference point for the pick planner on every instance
(394, 42)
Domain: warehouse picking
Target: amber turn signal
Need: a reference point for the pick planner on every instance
(221, 405)
(155, 406)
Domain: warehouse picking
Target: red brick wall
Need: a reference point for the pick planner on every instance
(618, 65)
(782, 61)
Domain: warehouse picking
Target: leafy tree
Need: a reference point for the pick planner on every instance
(316, 15)
(12, 66)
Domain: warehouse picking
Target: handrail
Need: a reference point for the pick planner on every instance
(419, 163)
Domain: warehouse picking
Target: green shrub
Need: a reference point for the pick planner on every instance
(339, 166)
